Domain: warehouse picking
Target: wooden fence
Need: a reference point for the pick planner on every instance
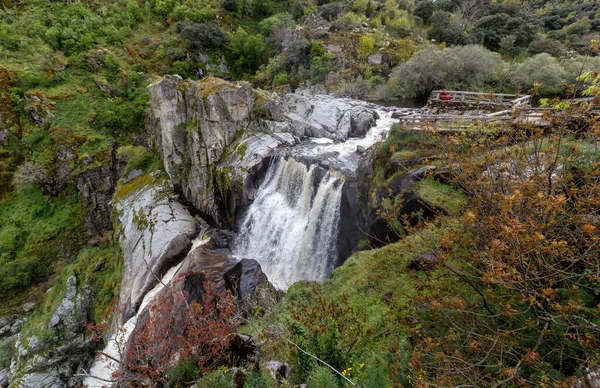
(454, 96)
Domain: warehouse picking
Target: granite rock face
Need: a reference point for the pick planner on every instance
(216, 138)
(155, 231)
(54, 357)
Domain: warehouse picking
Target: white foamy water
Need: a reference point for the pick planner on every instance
(103, 367)
(344, 155)
(291, 228)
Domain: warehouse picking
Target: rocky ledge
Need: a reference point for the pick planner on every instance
(215, 138)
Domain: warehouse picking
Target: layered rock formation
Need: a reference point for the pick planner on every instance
(216, 137)
(54, 355)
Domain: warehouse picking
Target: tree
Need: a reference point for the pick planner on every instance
(424, 10)
(444, 28)
(540, 69)
(366, 46)
(246, 52)
(202, 35)
(431, 69)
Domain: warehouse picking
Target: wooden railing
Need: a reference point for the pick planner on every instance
(514, 100)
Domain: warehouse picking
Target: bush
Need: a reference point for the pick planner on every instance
(30, 174)
(332, 11)
(135, 158)
(202, 35)
(7, 347)
(298, 54)
(550, 46)
(321, 377)
(431, 69)
(275, 22)
(217, 379)
(541, 69)
(73, 29)
(366, 46)
(446, 29)
(246, 52)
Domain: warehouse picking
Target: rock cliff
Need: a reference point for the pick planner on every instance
(155, 231)
(215, 137)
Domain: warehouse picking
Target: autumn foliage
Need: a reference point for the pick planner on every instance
(173, 331)
(522, 263)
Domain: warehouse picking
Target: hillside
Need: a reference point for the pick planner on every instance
(91, 112)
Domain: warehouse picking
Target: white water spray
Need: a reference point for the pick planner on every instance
(291, 228)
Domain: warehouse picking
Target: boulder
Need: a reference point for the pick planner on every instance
(73, 311)
(203, 265)
(591, 377)
(249, 284)
(423, 262)
(279, 371)
(244, 278)
(4, 378)
(243, 349)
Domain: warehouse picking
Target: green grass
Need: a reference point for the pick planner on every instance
(98, 268)
(37, 233)
(441, 195)
(6, 351)
(371, 297)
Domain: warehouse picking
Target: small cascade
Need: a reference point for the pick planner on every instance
(291, 227)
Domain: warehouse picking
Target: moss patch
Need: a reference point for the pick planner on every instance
(211, 85)
(441, 195)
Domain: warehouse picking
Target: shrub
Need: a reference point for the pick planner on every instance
(550, 46)
(431, 69)
(298, 54)
(73, 29)
(321, 377)
(6, 351)
(446, 29)
(176, 338)
(246, 52)
(366, 46)
(181, 67)
(202, 35)
(135, 158)
(275, 22)
(331, 11)
(217, 379)
(262, 7)
(281, 79)
(524, 250)
(541, 69)
(259, 380)
(30, 174)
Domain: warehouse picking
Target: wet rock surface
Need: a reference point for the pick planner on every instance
(216, 138)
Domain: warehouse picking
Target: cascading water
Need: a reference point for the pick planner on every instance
(291, 228)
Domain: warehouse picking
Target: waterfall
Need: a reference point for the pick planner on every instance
(291, 227)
